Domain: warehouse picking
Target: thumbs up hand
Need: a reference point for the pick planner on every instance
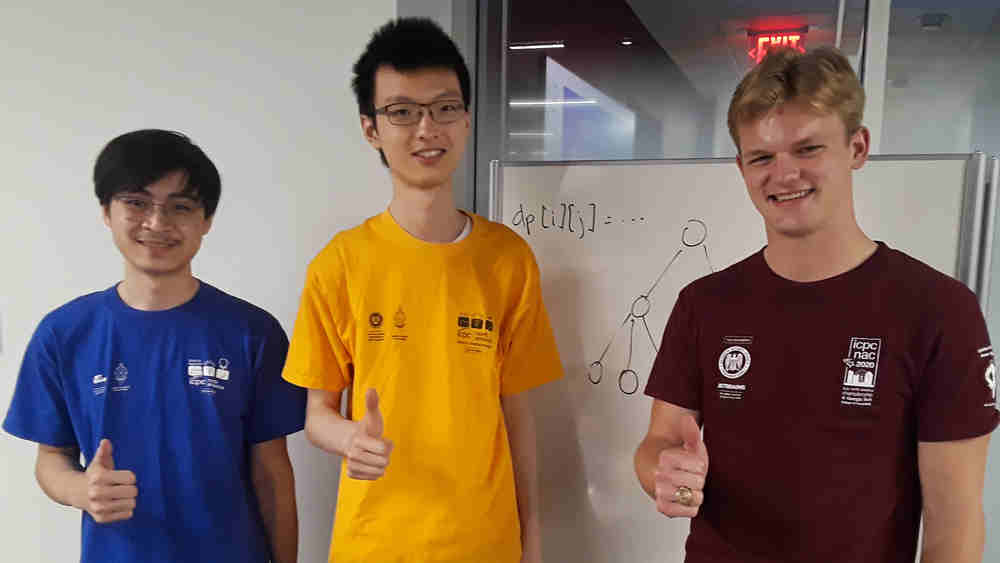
(110, 494)
(367, 452)
(681, 472)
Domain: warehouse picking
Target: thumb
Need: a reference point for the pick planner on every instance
(103, 456)
(691, 435)
(372, 423)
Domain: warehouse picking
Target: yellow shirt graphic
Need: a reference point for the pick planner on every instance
(440, 331)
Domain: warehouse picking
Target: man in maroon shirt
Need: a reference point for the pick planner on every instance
(845, 388)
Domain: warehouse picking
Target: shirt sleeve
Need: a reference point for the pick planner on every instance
(38, 410)
(319, 356)
(956, 395)
(675, 377)
(279, 408)
(530, 356)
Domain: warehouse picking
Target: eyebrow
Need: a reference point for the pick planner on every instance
(186, 194)
(806, 141)
(447, 94)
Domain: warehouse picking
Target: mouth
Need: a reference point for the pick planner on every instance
(156, 243)
(429, 155)
(790, 196)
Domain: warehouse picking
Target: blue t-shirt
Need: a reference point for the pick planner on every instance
(183, 395)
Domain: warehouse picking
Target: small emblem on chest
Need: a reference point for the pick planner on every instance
(861, 371)
(734, 363)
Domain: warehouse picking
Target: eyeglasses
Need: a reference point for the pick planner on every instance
(138, 208)
(410, 113)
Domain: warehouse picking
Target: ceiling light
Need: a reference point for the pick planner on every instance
(523, 103)
(526, 46)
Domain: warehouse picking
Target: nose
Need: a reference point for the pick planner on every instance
(786, 168)
(427, 127)
(156, 219)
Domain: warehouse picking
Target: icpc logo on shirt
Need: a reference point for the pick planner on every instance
(208, 376)
(476, 332)
(861, 371)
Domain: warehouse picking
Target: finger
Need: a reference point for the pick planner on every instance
(369, 459)
(123, 492)
(668, 494)
(113, 517)
(680, 459)
(372, 422)
(672, 479)
(364, 443)
(364, 471)
(691, 435)
(118, 477)
(103, 457)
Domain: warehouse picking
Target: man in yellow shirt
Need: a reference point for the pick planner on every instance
(434, 318)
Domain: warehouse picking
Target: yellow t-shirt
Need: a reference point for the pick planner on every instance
(441, 331)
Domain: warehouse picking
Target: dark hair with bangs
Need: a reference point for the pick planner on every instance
(134, 160)
(406, 44)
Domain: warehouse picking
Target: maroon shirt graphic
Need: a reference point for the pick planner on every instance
(814, 396)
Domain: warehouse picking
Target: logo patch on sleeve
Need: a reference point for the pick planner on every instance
(990, 375)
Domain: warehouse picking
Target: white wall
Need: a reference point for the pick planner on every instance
(264, 89)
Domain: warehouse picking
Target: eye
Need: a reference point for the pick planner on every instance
(135, 203)
(403, 112)
(810, 149)
(450, 107)
(760, 159)
(183, 208)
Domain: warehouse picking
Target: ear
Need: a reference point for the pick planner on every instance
(860, 144)
(370, 131)
(207, 226)
(106, 214)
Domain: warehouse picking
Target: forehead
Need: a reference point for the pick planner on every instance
(174, 184)
(421, 85)
(789, 123)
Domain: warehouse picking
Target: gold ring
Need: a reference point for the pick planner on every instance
(684, 496)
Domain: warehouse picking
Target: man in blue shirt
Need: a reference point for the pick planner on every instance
(170, 387)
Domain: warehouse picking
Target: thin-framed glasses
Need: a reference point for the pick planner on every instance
(410, 113)
(139, 207)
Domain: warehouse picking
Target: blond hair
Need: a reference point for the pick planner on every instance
(822, 78)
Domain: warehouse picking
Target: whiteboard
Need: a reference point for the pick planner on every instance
(605, 234)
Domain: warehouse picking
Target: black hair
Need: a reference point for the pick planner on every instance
(134, 160)
(406, 44)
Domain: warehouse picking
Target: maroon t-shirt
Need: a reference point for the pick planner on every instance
(814, 396)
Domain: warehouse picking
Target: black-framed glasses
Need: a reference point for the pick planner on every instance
(410, 113)
(139, 207)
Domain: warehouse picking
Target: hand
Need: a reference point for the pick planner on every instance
(682, 466)
(366, 451)
(110, 495)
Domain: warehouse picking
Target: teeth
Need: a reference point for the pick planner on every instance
(789, 197)
(430, 153)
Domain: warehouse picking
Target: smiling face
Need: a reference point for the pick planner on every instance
(797, 165)
(424, 155)
(158, 229)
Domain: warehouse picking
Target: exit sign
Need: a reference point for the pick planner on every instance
(763, 41)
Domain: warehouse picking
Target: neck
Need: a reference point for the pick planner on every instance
(429, 215)
(817, 257)
(157, 292)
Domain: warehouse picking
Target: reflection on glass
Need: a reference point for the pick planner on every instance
(656, 75)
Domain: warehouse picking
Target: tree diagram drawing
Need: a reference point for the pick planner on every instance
(693, 236)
